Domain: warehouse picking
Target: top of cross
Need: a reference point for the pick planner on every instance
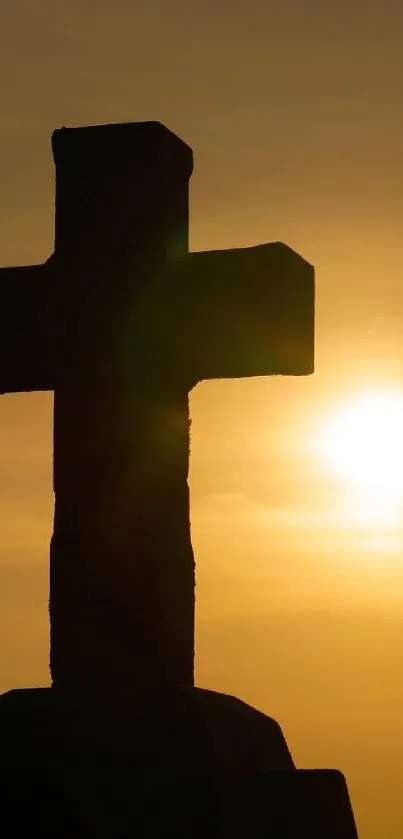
(119, 188)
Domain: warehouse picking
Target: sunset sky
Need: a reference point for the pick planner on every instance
(294, 113)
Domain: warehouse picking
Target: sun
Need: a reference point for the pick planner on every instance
(362, 445)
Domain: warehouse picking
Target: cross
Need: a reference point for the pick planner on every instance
(121, 322)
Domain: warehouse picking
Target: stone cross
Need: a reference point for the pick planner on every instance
(121, 322)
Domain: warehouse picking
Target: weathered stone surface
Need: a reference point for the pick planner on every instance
(122, 322)
(197, 764)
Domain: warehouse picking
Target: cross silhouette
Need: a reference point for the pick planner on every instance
(121, 322)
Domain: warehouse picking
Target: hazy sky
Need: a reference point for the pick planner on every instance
(294, 114)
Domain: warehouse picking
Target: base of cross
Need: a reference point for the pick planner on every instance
(193, 764)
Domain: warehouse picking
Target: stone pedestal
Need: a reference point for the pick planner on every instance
(191, 764)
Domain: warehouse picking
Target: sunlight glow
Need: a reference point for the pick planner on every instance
(362, 445)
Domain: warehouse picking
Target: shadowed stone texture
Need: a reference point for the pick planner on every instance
(199, 764)
(121, 322)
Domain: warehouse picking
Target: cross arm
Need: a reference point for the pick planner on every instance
(246, 312)
(26, 324)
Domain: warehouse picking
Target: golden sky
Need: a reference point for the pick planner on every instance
(294, 114)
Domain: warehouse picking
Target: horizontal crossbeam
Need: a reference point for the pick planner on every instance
(27, 329)
(230, 314)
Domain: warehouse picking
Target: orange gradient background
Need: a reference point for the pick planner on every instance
(295, 117)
